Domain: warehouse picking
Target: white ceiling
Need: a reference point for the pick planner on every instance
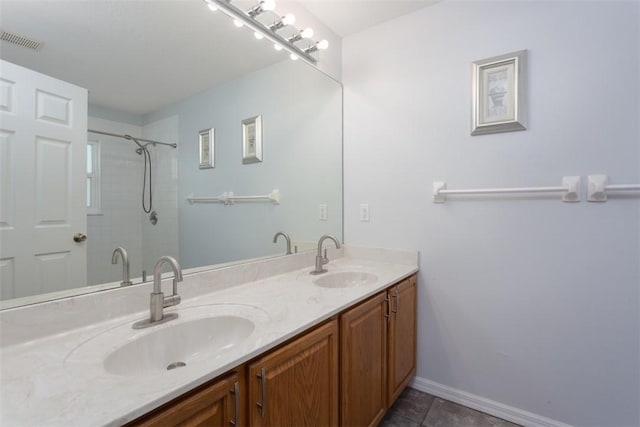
(138, 56)
(347, 17)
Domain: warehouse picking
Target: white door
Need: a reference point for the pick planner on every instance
(43, 132)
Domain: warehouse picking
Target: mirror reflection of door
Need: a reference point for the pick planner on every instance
(42, 162)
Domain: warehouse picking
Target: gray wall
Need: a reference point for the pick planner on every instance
(302, 152)
(528, 301)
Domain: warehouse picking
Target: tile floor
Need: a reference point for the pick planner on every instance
(415, 409)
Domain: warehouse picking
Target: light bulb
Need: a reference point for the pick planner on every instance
(307, 33)
(213, 7)
(277, 47)
(289, 19)
(258, 35)
(268, 4)
(293, 57)
(322, 44)
(237, 23)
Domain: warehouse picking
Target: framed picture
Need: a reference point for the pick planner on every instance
(498, 94)
(252, 140)
(206, 148)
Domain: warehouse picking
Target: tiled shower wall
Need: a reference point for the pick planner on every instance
(118, 223)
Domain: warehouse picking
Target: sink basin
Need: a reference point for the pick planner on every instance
(177, 345)
(345, 279)
(199, 336)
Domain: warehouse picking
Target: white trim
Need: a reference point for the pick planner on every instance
(95, 176)
(497, 409)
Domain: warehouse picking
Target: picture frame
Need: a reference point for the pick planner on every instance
(206, 148)
(252, 140)
(498, 94)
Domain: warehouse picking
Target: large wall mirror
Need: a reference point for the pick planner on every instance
(174, 72)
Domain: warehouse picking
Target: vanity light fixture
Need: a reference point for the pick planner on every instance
(321, 45)
(286, 20)
(262, 7)
(307, 33)
(272, 31)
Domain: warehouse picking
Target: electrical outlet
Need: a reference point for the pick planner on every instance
(324, 212)
(364, 212)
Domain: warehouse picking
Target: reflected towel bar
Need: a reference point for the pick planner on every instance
(570, 189)
(228, 198)
(597, 188)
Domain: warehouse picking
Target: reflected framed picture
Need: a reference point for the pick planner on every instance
(498, 94)
(252, 140)
(207, 148)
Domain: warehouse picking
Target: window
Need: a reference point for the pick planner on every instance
(93, 178)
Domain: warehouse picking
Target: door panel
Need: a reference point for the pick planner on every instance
(363, 362)
(53, 108)
(402, 337)
(52, 191)
(297, 385)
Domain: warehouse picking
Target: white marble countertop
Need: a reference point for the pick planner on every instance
(60, 378)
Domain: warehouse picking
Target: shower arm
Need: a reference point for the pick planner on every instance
(142, 147)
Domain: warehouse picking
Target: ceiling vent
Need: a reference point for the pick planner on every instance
(19, 40)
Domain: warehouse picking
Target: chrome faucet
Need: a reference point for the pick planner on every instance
(286, 237)
(158, 300)
(322, 260)
(125, 264)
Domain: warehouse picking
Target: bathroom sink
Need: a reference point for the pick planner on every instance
(345, 279)
(199, 336)
(176, 345)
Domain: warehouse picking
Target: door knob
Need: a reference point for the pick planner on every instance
(79, 237)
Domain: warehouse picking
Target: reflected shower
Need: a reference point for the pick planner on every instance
(141, 150)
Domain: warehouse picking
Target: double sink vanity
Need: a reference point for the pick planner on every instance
(261, 343)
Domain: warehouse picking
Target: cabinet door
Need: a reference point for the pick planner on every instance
(402, 336)
(297, 385)
(214, 405)
(363, 363)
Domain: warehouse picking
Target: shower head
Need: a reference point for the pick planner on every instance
(143, 147)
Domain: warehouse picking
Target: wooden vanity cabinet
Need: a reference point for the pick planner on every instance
(346, 372)
(377, 353)
(363, 362)
(216, 404)
(297, 384)
(401, 344)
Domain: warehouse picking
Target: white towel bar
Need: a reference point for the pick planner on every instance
(570, 189)
(597, 188)
(228, 198)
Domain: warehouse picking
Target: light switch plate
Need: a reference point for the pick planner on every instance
(323, 212)
(364, 212)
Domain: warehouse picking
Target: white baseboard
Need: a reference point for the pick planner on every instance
(490, 407)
